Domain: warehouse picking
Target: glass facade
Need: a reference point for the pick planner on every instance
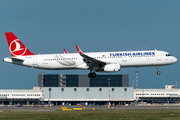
(102, 81)
(51, 80)
(72, 81)
(54, 80)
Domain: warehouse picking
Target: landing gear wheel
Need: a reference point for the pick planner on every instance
(93, 74)
(158, 73)
(90, 75)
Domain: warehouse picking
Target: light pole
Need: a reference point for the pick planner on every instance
(42, 87)
(109, 92)
(49, 96)
(133, 83)
(137, 79)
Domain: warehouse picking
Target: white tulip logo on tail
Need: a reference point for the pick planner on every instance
(16, 48)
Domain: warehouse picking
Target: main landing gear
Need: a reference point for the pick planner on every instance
(92, 74)
(158, 73)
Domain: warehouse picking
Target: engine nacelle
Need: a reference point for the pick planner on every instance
(110, 68)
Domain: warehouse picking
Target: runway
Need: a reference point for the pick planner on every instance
(58, 108)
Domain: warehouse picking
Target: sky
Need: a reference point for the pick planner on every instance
(47, 26)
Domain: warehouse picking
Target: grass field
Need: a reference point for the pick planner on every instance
(107, 114)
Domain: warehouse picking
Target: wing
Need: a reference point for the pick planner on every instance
(90, 61)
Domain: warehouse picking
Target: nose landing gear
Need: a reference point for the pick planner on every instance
(92, 74)
(158, 73)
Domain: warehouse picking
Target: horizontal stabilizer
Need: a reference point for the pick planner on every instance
(16, 59)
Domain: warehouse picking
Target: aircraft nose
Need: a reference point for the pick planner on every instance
(174, 59)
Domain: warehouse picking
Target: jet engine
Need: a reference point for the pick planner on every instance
(113, 67)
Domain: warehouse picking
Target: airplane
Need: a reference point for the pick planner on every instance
(95, 61)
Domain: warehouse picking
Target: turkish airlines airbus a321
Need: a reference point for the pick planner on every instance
(95, 62)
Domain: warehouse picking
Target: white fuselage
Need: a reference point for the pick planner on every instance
(75, 61)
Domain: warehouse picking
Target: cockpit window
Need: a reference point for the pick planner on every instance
(168, 55)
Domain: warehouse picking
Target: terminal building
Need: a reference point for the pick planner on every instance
(60, 89)
(167, 95)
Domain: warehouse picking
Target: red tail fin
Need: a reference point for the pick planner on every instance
(15, 46)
